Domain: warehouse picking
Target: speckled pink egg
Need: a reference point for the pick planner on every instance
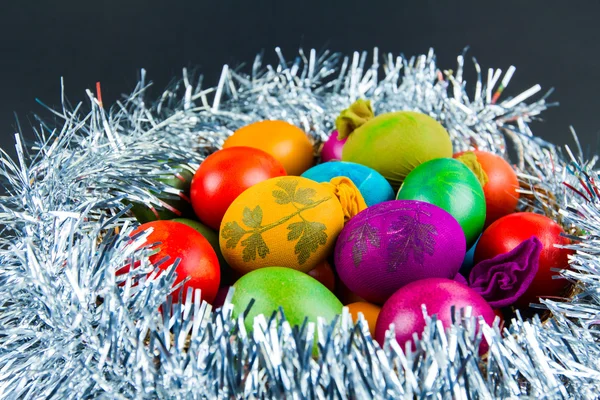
(394, 243)
(403, 309)
(332, 149)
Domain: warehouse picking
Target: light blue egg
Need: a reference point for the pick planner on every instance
(372, 185)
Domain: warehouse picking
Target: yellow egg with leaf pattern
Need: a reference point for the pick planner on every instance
(287, 222)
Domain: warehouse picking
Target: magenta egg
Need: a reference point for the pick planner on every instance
(332, 149)
(404, 310)
(394, 243)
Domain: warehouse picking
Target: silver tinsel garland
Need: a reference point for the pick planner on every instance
(70, 329)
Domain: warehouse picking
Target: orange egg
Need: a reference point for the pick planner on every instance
(286, 142)
(370, 311)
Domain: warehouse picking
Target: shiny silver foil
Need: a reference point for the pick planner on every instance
(70, 328)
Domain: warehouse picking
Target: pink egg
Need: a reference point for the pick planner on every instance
(332, 149)
(403, 309)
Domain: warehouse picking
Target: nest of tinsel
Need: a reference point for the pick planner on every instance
(69, 330)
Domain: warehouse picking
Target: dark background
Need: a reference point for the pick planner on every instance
(553, 43)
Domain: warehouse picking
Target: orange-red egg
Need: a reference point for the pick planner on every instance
(286, 142)
(511, 230)
(370, 311)
(501, 196)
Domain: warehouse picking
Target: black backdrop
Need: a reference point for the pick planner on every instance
(553, 43)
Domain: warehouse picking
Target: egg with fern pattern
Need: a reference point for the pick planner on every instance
(394, 243)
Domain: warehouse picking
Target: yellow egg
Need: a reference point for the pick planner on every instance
(288, 222)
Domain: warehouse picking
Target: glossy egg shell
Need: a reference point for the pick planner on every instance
(404, 309)
(332, 148)
(509, 231)
(299, 295)
(286, 142)
(228, 275)
(501, 196)
(393, 144)
(372, 185)
(451, 185)
(198, 260)
(224, 175)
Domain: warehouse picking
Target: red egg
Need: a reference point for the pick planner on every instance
(198, 260)
(404, 308)
(224, 175)
(501, 196)
(509, 231)
(324, 274)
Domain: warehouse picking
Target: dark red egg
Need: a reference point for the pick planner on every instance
(324, 274)
(224, 175)
(509, 231)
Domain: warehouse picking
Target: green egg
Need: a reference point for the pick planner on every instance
(228, 275)
(451, 185)
(300, 296)
(393, 144)
(182, 182)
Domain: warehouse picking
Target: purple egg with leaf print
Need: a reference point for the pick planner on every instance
(394, 243)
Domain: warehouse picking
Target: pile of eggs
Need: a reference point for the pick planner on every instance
(388, 220)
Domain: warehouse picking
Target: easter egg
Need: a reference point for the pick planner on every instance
(392, 244)
(332, 148)
(468, 261)
(287, 221)
(369, 311)
(449, 184)
(225, 174)
(324, 274)
(511, 230)
(198, 260)
(404, 310)
(228, 275)
(172, 205)
(373, 187)
(286, 142)
(500, 191)
(393, 144)
(299, 295)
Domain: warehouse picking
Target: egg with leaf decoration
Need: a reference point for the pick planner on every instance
(288, 222)
(394, 243)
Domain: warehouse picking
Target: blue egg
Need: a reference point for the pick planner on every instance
(372, 185)
(468, 262)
